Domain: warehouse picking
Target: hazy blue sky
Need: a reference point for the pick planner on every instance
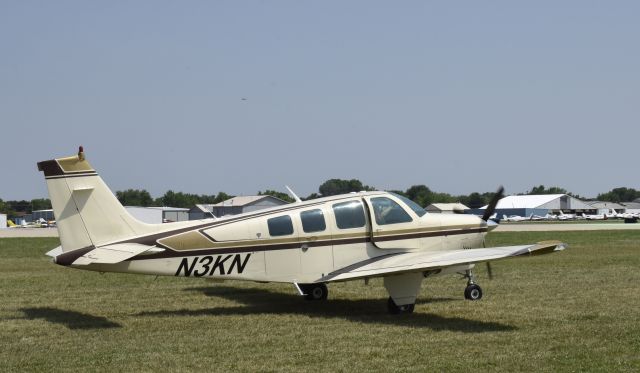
(241, 96)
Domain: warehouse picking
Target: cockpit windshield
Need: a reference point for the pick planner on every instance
(412, 205)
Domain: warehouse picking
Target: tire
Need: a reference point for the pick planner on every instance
(394, 309)
(315, 291)
(473, 292)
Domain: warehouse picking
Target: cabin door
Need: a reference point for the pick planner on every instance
(392, 226)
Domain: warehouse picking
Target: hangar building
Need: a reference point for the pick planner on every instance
(541, 204)
(605, 207)
(632, 207)
(42, 214)
(234, 206)
(157, 215)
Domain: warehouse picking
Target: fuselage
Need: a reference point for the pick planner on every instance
(301, 242)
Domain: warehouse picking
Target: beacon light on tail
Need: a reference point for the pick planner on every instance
(306, 243)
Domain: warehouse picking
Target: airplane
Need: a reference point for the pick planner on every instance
(309, 244)
(516, 218)
(564, 216)
(624, 215)
(594, 216)
(547, 217)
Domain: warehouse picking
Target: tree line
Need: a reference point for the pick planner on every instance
(421, 194)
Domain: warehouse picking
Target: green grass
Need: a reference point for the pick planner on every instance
(572, 311)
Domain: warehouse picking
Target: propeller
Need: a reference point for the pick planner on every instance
(491, 207)
(489, 271)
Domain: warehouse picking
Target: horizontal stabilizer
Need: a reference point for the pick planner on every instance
(55, 252)
(421, 261)
(111, 254)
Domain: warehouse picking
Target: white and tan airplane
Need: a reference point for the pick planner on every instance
(309, 244)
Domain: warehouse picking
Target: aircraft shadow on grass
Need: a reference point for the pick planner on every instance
(70, 319)
(259, 301)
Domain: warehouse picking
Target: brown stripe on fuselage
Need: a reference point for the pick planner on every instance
(234, 248)
(193, 240)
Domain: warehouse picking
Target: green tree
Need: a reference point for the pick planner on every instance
(312, 196)
(420, 194)
(134, 197)
(619, 195)
(540, 189)
(222, 196)
(334, 187)
(188, 200)
(4, 208)
(40, 204)
(474, 200)
(19, 206)
(274, 193)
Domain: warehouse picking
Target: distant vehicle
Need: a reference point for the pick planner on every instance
(306, 243)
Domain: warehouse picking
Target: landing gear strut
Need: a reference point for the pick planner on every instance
(317, 291)
(473, 291)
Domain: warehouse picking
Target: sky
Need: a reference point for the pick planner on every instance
(242, 96)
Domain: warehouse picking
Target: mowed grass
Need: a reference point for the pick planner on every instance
(577, 310)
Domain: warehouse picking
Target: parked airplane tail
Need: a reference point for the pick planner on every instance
(87, 212)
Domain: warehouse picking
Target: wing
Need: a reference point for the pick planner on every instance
(423, 261)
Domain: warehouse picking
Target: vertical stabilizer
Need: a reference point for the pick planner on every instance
(87, 212)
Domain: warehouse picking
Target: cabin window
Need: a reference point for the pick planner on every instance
(280, 226)
(412, 205)
(312, 221)
(388, 211)
(349, 214)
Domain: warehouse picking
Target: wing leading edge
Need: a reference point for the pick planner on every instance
(421, 261)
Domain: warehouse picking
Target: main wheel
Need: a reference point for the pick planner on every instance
(394, 309)
(315, 291)
(473, 292)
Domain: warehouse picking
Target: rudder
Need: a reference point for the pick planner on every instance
(87, 212)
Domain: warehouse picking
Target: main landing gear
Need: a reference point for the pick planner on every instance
(394, 309)
(473, 291)
(317, 291)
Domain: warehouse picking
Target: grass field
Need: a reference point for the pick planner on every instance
(577, 310)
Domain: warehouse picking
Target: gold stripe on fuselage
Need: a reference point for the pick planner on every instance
(194, 240)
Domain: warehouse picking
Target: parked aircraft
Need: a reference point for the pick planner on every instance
(564, 216)
(515, 218)
(305, 243)
(624, 215)
(594, 216)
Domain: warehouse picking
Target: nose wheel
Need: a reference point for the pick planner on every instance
(473, 291)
